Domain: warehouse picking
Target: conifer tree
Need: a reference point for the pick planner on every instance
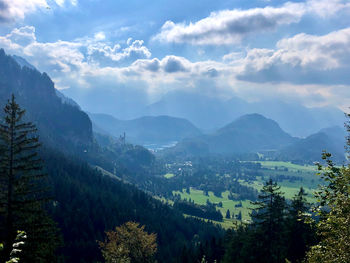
(300, 233)
(228, 215)
(23, 192)
(334, 212)
(269, 222)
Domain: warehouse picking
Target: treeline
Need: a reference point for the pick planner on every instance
(203, 211)
(279, 230)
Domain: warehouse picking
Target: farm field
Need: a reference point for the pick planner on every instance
(200, 198)
(169, 175)
(302, 176)
(289, 165)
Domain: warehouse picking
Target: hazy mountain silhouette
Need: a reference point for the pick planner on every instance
(145, 130)
(210, 113)
(331, 139)
(248, 134)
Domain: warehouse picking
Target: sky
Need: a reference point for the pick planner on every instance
(134, 52)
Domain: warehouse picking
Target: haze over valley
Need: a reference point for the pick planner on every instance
(174, 131)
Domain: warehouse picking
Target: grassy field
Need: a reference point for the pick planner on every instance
(307, 179)
(306, 174)
(200, 198)
(169, 175)
(226, 223)
(288, 165)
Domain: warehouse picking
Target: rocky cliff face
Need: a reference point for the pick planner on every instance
(60, 124)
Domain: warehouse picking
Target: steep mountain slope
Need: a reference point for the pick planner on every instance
(60, 124)
(145, 130)
(87, 203)
(248, 134)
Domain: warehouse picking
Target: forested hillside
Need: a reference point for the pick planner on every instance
(60, 124)
(85, 203)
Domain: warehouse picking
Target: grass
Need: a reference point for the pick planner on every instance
(200, 198)
(169, 175)
(308, 180)
(226, 223)
(289, 165)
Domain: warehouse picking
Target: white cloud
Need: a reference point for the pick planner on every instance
(17, 9)
(61, 3)
(325, 8)
(301, 59)
(104, 54)
(231, 26)
(93, 63)
(12, 10)
(100, 36)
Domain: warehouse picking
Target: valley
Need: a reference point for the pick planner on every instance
(289, 176)
(196, 189)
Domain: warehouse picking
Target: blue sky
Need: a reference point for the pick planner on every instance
(138, 51)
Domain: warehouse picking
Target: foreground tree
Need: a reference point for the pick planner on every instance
(129, 243)
(301, 234)
(23, 192)
(334, 211)
(269, 221)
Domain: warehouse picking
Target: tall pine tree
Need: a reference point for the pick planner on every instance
(300, 232)
(24, 191)
(269, 222)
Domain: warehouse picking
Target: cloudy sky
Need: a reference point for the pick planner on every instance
(140, 50)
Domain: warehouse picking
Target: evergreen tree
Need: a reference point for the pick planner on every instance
(23, 192)
(300, 233)
(228, 215)
(334, 211)
(269, 222)
(239, 215)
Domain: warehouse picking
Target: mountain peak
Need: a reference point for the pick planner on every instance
(23, 63)
(253, 121)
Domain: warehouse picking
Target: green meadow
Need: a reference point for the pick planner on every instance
(306, 175)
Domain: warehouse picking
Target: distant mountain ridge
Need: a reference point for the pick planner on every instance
(254, 133)
(251, 132)
(330, 139)
(147, 129)
(248, 134)
(210, 113)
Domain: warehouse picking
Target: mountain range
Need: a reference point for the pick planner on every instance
(256, 134)
(145, 130)
(210, 113)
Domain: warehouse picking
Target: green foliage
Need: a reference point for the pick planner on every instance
(228, 215)
(23, 189)
(87, 203)
(269, 218)
(129, 243)
(334, 212)
(278, 231)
